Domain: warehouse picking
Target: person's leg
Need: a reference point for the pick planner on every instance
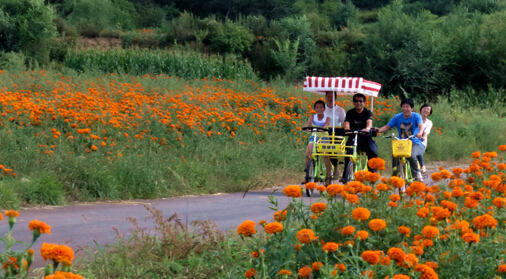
(328, 166)
(371, 150)
(309, 152)
(413, 161)
(349, 151)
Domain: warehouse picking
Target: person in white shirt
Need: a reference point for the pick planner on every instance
(337, 118)
(425, 111)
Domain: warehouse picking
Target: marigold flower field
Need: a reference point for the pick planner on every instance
(455, 228)
(143, 137)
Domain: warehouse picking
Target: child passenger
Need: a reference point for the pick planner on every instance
(318, 120)
(425, 111)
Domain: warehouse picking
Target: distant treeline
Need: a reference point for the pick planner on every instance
(422, 48)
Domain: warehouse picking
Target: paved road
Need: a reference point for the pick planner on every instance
(80, 225)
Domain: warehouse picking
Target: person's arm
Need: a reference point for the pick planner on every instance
(346, 125)
(342, 115)
(384, 129)
(368, 125)
(309, 122)
(327, 122)
(420, 130)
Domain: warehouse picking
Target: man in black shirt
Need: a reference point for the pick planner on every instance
(359, 118)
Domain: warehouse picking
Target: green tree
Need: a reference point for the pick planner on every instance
(27, 26)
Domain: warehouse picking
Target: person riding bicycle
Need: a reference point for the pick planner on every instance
(425, 111)
(408, 123)
(336, 120)
(359, 118)
(320, 119)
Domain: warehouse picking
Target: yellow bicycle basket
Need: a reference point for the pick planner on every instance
(401, 148)
(330, 145)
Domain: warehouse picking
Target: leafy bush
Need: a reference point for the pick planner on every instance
(92, 16)
(27, 25)
(151, 16)
(339, 13)
(231, 38)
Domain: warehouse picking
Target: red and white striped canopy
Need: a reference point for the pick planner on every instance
(342, 85)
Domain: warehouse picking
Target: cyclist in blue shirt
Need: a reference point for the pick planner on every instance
(408, 123)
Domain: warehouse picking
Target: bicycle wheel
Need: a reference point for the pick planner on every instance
(310, 171)
(349, 172)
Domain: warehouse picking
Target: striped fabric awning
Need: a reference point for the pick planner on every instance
(342, 85)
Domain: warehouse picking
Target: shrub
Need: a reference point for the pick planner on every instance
(340, 13)
(231, 38)
(151, 16)
(27, 25)
(92, 16)
(45, 190)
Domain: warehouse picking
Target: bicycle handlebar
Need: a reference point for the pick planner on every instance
(314, 129)
(393, 136)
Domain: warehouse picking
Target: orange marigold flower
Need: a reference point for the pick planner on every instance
(372, 177)
(392, 204)
(445, 174)
(273, 227)
(311, 185)
(360, 175)
(397, 182)
(432, 265)
(404, 230)
(401, 276)
(305, 271)
(477, 196)
(280, 215)
(64, 275)
(349, 230)
(372, 257)
(430, 231)
(501, 166)
(427, 272)
(499, 202)
(341, 267)
(321, 189)
(255, 254)
(11, 213)
(297, 247)
(334, 189)
(471, 237)
(368, 273)
(409, 260)
(285, 272)
(385, 260)
(484, 221)
(427, 243)
(38, 225)
(376, 164)
(395, 197)
(417, 187)
(360, 214)
(382, 187)
(316, 265)
(377, 225)
(247, 228)
(250, 273)
(396, 254)
(422, 212)
(305, 236)
(352, 198)
(470, 203)
(293, 191)
(457, 171)
(362, 235)
(502, 147)
(476, 154)
(502, 268)
(450, 205)
(436, 176)
(318, 207)
(330, 247)
(57, 253)
(457, 192)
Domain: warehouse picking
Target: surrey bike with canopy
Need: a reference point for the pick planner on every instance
(333, 145)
